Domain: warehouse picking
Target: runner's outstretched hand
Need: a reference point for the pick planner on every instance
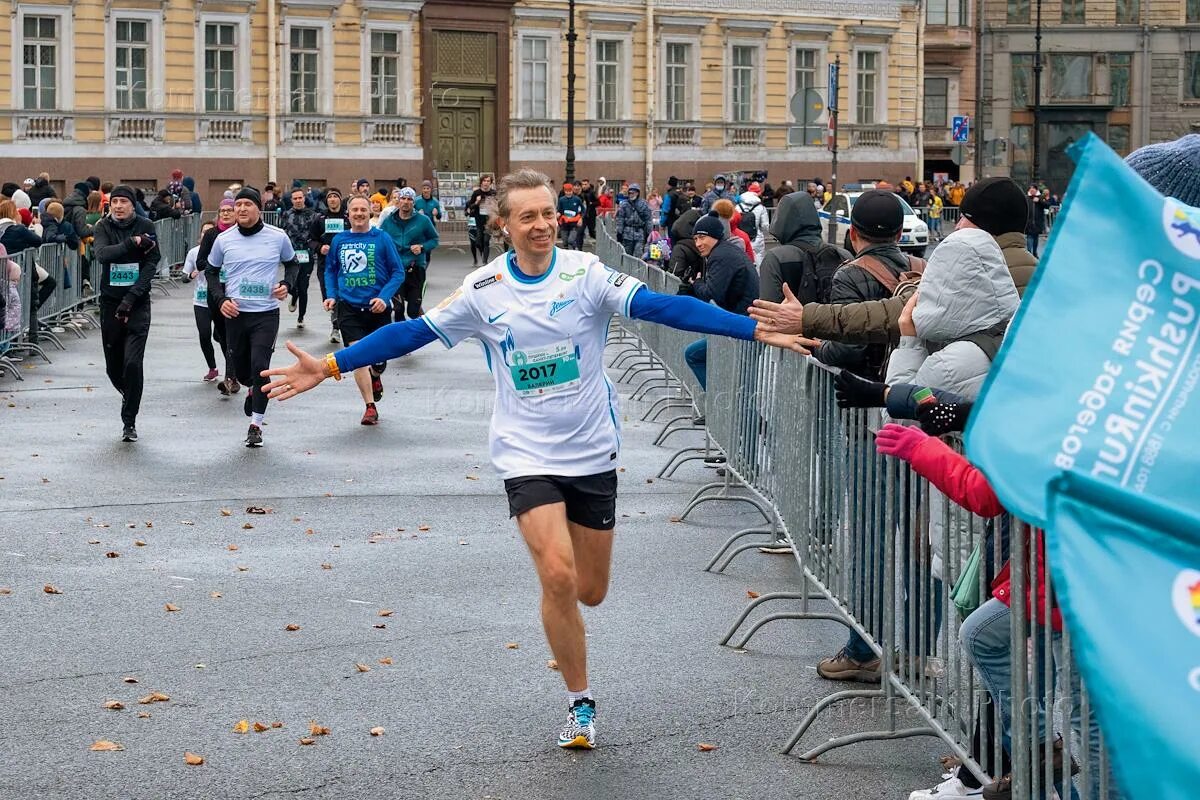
(307, 372)
(784, 341)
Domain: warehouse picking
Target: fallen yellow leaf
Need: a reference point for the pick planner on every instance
(171, 607)
(5, 590)
(143, 715)
(512, 645)
(751, 594)
(192, 760)
(276, 724)
(306, 740)
(243, 569)
(422, 527)
(153, 697)
(291, 627)
(114, 705)
(225, 512)
(327, 566)
(105, 746)
(138, 543)
(552, 664)
(317, 730)
(379, 625)
(377, 731)
(231, 547)
(130, 679)
(112, 554)
(243, 726)
(362, 668)
(705, 747)
(215, 595)
(246, 526)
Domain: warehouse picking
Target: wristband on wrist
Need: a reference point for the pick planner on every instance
(332, 366)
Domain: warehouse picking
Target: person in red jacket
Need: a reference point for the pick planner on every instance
(986, 633)
(731, 217)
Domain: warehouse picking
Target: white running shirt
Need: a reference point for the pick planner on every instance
(556, 411)
(251, 265)
(200, 297)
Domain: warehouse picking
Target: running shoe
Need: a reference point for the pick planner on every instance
(371, 415)
(254, 436)
(300, 323)
(335, 336)
(234, 386)
(951, 788)
(211, 375)
(292, 304)
(579, 732)
(376, 387)
(129, 434)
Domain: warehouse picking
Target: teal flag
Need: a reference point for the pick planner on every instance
(1089, 426)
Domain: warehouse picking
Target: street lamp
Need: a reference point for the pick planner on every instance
(570, 176)
(1037, 96)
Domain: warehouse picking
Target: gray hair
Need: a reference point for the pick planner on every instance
(521, 179)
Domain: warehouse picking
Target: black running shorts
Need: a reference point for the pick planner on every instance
(358, 323)
(591, 500)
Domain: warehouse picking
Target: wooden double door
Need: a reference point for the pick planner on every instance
(465, 132)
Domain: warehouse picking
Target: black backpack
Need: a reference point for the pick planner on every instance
(808, 270)
(748, 223)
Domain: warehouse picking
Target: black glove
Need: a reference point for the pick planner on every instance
(855, 392)
(941, 418)
(686, 288)
(123, 311)
(148, 242)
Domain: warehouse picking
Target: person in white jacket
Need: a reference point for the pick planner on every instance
(750, 203)
(966, 298)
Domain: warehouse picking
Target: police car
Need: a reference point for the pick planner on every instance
(913, 239)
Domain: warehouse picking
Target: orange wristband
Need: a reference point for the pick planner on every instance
(331, 364)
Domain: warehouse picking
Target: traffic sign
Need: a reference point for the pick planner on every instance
(960, 129)
(833, 86)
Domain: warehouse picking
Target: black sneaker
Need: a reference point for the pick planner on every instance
(254, 436)
(248, 406)
(129, 434)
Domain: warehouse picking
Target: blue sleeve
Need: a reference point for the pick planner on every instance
(333, 266)
(902, 405)
(689, 314)
(390, 341)
(395, 269)
(664, 210)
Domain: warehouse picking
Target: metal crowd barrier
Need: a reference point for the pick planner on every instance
(883, 553)
(65, 300)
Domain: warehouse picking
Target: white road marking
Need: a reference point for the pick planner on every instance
(180, 578)
(359, 602)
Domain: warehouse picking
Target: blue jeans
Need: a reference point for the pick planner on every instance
(1031, 243)
(986, 637)
(696, 355)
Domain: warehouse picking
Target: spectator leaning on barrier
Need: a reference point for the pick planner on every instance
(729, 281)
(13, 234)
(128, 254)
(803, 261)
(686, 262)
(56, 230)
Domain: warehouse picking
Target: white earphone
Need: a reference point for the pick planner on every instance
(505, 230)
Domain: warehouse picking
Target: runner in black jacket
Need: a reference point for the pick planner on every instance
(320, 236)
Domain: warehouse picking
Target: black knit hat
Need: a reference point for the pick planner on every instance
(251, 194)
(121, 190)
(710, 225)
(877, 213)
(996, 205)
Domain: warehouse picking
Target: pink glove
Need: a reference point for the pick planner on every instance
(899, 441)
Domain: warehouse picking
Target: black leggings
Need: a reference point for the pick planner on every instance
(210, 331)
(303, 276)
(412, 291)
(481, 241)
(124, 349)
(251, 342)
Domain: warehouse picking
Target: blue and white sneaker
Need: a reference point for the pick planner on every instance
(579, 732)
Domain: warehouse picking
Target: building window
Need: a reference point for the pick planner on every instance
(805, 70)
(220, 54)
(39, 59)
(1118, 139)
(677, 92)
(385, 73)
(1072, 11)
(936, 102)
(132, 63)
(1119, 66)
(1022, 153)
(1129, 11)
(535, 77)
(1191, 89)
(1018, 12)
(743, 83)
(867, 63)
(1022, 80)
(1070, 76)
(952, 13)
(302, 65)
(1193, 11)
(608, 79)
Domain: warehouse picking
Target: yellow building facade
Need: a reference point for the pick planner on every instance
(327, 91)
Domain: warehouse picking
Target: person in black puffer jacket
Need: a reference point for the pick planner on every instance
(686, 262)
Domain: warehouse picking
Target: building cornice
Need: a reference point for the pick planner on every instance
(692, 23)
(524, 12)
(614, 18)
(759, 26)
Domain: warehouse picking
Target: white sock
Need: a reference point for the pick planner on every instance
(257, 419)
(573, 696)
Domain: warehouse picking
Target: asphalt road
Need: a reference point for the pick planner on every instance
(406, 518)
